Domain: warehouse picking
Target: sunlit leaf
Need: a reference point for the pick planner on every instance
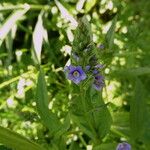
(16, 141)
(65, 14)
(89, 4)
(38, 37)
(10, 22)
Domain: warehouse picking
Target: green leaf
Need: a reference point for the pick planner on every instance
(131, 72)
(16, 141)
(11, 21)
(138, 111)
(91, 114)
(100, 113)
(109, 39)
(2, 147)
(107, 146)
(49, 119)
(121, 124)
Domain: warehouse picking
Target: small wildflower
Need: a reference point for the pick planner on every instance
(101, 46)
(95, 72)
(123, 146)
(99, 66)
(87, 68)
(98, 83)
(75, 73)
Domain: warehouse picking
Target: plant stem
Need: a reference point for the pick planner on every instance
(82, 140)
(82, 91)
(23, 6)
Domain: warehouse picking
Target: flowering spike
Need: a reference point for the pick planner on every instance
(83, 35)
(84, 57)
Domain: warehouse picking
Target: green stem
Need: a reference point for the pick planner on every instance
(24, 28)
(5, 83)
(82, 140)
(23, 6)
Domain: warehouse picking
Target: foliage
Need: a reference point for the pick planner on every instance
(40, 108)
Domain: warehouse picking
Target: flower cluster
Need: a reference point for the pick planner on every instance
(84, 58)
(123, 146)
(79, 73)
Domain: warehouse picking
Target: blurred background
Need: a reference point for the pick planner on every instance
(23, 23)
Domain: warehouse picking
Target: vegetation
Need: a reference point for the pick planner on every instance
(74, 75)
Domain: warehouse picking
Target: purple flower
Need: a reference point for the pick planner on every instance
(75, 73)
(99, 66)
(95, 72)
(101, 46)
(87, 68)
(123, 146)
(98, 83)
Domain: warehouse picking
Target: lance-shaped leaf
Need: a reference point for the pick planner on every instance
(16, 141)
(66, 15)
(109, 40)
(138, 111)
(11, 21)
(39, 35)
(49, 119)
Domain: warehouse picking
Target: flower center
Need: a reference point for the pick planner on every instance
(76, 74)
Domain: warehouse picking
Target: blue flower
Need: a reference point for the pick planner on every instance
(123, 146)
(95, 72)
(99, 66)
(75, 73)
(87, 68)
(101, 46)
(98, 83)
